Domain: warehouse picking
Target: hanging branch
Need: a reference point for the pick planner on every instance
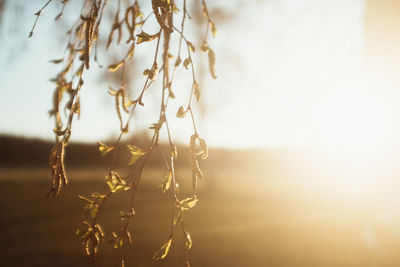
(83, 35)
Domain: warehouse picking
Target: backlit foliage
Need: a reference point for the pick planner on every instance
(80, 53)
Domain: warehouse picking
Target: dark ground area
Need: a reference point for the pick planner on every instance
(249, 214)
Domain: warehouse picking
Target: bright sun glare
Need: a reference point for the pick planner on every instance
(326, 84)
(313, 81)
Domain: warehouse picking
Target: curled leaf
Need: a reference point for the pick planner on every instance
(186, 62)
(146, 72)
(163, 251)
(59, 132)
(191, 46)
(188, 240)
(181, 112)
(112, 91)
(56, 61)
(153, 73)
(204, 47)
(116, 66)
(188, 203)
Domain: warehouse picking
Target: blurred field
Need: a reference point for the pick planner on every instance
(248, 215)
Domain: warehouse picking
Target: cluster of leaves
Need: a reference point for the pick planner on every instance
(81, 50)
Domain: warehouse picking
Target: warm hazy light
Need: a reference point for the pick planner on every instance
(313, 86)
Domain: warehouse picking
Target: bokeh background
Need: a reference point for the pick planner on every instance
(303, 125)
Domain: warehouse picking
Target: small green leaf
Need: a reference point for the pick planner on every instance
(115, 183)
(188, 203)
(78, 232)
(136, 153)
(178, 217)
(165, 185)
(93, 210)
(163, 251)
(117, 240)
(124, 215)
(104, 149)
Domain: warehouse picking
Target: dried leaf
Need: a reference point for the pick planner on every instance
(145, 37)
(197, 91)
(186, 62)
(57, 169)
(181, 112)
(153, 73)
(56, 61)
(59, 132)
(204, 47)
(213, 28)
(211, 61)
(191, 46)
(178, 61)
(146, 72)
(203, 148)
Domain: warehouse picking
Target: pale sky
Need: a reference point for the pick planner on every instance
(291, 73)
